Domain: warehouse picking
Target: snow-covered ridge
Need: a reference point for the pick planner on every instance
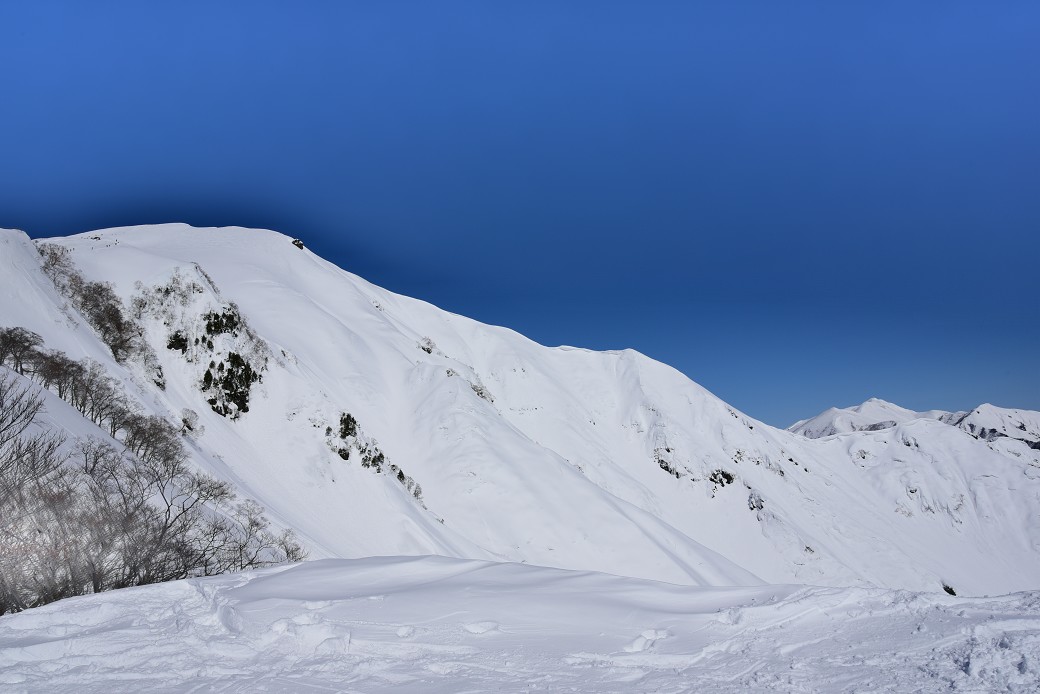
(990, 422)
(872, 415)
(553, 456)
(985, 421)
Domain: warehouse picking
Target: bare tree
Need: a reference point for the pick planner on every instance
(119, 511)
(19, 405)
(34, 492)
(56, 371)
(104, 310)
(18, 345)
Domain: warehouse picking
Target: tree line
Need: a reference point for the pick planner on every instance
(120, 509)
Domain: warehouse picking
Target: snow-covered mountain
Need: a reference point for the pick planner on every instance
(985, 421)
(872, 415)
(375, 424)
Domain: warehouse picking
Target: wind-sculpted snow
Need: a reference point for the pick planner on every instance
(561, 457)
(434, 624)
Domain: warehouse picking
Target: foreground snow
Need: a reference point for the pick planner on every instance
(436, 624)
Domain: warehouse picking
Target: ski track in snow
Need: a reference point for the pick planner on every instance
(433, 624)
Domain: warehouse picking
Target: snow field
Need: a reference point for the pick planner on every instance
(434, 624)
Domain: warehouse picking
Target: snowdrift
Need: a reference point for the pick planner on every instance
(433, 624)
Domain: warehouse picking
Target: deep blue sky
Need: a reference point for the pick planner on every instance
(798, 204)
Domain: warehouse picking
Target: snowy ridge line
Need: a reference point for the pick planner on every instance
(552, 456)
(984, 422)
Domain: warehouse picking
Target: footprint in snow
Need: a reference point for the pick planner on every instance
(730, 616)
(646, 640)
(480, 627)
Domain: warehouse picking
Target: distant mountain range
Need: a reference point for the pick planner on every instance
(984, 422)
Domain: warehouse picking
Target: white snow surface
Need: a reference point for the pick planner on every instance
(434, 624)
(559, 457)
(589, 521)
(874, 414)
(985, 421)
(993, 422)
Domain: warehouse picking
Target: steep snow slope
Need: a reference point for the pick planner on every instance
(556, 456)
(433, 624)
(509, 494)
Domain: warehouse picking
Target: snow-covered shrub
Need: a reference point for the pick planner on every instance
(721, 477)
(755, 502)
(229, 390)
(226, 321)
(177, 341)
(347, 425)
(350, 436)
(482, 392)
(190, 422)
(200, 332)
(662, 456)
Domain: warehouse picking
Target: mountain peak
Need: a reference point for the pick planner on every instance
(376, 424)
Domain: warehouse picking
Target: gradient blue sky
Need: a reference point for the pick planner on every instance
(798, 204)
